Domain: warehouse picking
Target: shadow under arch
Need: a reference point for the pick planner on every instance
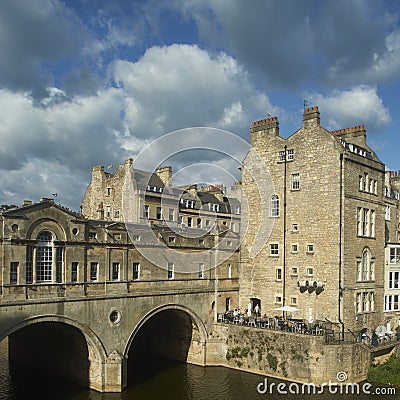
(169, 332)
(87, 366)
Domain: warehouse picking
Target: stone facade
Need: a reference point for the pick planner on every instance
(138, 196)
(391, 305)
(326, 218)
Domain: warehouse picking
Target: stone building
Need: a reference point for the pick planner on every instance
(50, 251)
(139, 196)
(325, 212)
(392, 252)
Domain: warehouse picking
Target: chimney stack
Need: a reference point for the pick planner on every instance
(263, 129)
(311, 117)
(165, 174)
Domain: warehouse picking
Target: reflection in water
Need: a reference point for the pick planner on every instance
(151, 379)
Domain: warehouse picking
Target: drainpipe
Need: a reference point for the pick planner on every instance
(284, 233)
(340, 245)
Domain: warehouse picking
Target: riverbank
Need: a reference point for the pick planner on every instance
(387, 373)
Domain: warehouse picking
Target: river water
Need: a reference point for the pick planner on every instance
(165, 380)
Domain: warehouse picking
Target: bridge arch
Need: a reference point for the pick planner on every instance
(170, 331)
(90, 374)
(195, 318)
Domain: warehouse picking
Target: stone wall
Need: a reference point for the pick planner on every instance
(293, 357)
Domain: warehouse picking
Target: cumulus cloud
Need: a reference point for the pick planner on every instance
(169, 88)
(178, 86)
(355, 106)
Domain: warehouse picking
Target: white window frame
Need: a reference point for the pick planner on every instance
(171, 271)
(136, 271)
(274, 206)
(296, 181)
(115, 271)
(274, 249)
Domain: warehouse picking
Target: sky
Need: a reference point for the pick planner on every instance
(92, 82)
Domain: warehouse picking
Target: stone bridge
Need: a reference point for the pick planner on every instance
(79, 298)
(89, 339)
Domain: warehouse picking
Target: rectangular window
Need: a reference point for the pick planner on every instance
(201, 271)
(387, 213)
(371, 186)
(359, 213)
(372, 271)
(394, 280)
(365, 302)
(136, 238)
(358, 303)
(392, 302)
(365, 182)
(29, 264)
(394, 255)
(190, 222)
(278, 275)
(295, 181)
(360, 182)
(108, 192)
(92, 235)
(199, 224)
(372, 223)
(371, 301)
(237, 209)
(359, 271)
(227, 304)
(115, 271)
(295, 228)
(170, 270)
(281, 156)
(310, 248)
(293, 301)
(74, 271)
(365, 222)
(171, 239)
(146, 213)
(116, 213)
(376, 187)
(171, 214)
(59, 263)
(159, 213)
(94, 267)
(294, 248)
(136, 271)
(278, 299)
(273, 249)
(108, 212)
(229, 271)
(290, 155)
(310, 271)
(295, 271)
(14, 272)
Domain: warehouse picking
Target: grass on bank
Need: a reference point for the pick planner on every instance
(387, 373)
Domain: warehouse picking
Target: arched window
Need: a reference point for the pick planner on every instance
(365, 265)
(44, 257)
(274, 207)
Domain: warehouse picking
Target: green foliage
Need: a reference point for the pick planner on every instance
(387, 373)
(237, 352)
(272, 361)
